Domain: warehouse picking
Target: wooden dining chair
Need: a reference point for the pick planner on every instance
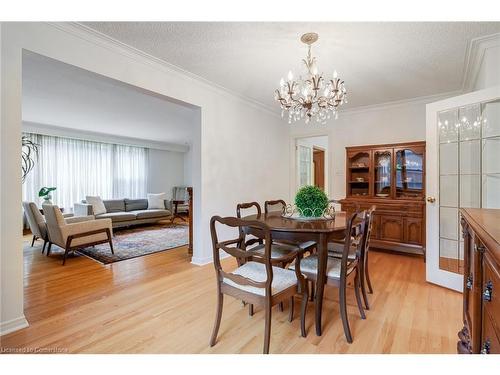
(340, 270)
(280, 203)
(255, 244)
(335, 250)
(278, 249)
(261, 282)
(308, 246)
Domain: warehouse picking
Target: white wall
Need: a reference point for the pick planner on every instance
(391, 123)
(166, 170)
(242, 153)
(489, 72)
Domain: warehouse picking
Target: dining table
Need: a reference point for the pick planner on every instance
(297, 230)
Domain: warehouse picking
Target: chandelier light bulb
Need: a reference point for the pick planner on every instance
(335, 74)
(290, 75)
(282, 81)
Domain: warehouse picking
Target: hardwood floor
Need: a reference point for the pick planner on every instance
(161, 303)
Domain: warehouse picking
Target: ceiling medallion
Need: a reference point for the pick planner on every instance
(312, 96)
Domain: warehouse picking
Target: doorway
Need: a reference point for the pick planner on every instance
(311, 161)
(319, 168)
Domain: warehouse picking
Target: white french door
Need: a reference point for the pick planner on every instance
(463, 170)
(304, 155)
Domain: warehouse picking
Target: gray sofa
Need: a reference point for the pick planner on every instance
(126, 212)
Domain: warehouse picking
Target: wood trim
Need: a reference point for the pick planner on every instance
(386, 145)
(190, 220)
(484, 223)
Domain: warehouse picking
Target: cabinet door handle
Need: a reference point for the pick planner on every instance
(486, 347)
(469, 282)
(488, 291)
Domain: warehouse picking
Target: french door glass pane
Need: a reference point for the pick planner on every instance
(448, 159)
(470, 122)
(491, 155)
(304, 166)
(491, 191)
(447, 123)
(470, 157)
(449, 191)
(491, 119)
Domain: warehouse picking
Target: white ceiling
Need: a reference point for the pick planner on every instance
(380, 62)
(62, 95)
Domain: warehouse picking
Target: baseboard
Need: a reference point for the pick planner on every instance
(205, 261)
(13, 325)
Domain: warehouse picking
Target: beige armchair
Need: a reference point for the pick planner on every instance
(37, 224)
(77, 232)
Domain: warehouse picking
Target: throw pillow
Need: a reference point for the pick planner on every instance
(97, 204)
(156, 201)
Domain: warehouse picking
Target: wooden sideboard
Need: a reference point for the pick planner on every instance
(481, 308)
(391, 177)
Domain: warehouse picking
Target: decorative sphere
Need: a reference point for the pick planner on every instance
(311, 201)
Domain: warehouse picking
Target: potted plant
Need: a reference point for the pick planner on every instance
(29, 156)
(45, 194)
(311, 201)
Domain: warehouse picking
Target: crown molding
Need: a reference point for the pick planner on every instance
(105, 41)
(400, 103)
(474, 56)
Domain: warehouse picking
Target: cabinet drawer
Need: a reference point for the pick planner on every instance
(489, 343)
(491, 292)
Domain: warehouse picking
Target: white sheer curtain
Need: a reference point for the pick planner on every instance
(78, 168)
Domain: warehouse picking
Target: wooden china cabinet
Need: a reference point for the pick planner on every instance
(392, 177)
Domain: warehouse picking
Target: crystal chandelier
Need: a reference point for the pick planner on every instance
(312, 96)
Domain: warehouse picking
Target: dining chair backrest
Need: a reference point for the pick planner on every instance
(369, 225)
(268, 205)
(354, 241)
(247, 206)
(253, 207)
(237, 248)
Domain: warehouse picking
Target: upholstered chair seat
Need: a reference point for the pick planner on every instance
(282, 278)
(278, 250)
(309, 266)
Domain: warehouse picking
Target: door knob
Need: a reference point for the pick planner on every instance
(431, 199)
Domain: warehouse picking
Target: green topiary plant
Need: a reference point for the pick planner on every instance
(311, 201)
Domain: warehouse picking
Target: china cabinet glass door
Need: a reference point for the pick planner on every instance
(382, 160)
(409, 173)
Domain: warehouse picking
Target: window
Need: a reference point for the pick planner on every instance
(78, 168)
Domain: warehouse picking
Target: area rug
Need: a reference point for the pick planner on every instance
(139, 241)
